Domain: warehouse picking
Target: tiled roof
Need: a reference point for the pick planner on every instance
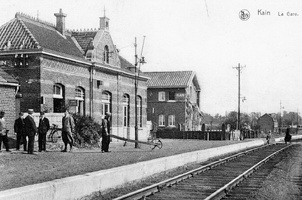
(84, 38)
(169, 79)
(14, 35)
(6, 78)
(27, 33)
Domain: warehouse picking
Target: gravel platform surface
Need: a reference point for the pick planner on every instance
(17, 168)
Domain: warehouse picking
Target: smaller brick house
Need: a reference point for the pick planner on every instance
(8, 102)
(173, 100)
(268, 122)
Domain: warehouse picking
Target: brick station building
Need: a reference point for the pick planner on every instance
(9, 99)
(79, 69)
(173, 100)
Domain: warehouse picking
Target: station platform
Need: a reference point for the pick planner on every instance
(77, 187)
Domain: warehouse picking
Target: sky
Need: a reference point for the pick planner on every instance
(205, 36)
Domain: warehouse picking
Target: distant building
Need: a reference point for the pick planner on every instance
(82, 70)
(268, 122)
(9, 99)
(173, 100)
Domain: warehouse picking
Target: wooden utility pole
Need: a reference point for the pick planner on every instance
(239, 68)
(138, 62)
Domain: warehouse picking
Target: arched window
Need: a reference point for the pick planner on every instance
(106, 102)
(106, 54)
(58, 91)
(139, 111)
(58, 98)
(80, 97)
(126, 108)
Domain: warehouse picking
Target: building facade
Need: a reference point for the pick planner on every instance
(9, 99)
(268, 122)
(57, 68)
(173, 100)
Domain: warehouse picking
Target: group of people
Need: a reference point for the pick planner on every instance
(287, 137)
(26, 130)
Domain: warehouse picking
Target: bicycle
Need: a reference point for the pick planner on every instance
(54, 133)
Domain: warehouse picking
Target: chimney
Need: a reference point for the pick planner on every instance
(60, 25)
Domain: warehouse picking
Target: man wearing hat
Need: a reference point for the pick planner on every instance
(31, 131)
(68, 127)
(42, 131)
(19, 128)
(106, 127)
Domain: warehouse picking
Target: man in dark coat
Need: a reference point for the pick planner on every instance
(68, 127)
(288, 136)
(31, 130)
(106, 128)
(42, 131)
(19, 128)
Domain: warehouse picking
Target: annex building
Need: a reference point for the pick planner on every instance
(82, 70)
(173, 100)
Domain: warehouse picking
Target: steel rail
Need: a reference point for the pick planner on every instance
(152, 189)
(221, 192)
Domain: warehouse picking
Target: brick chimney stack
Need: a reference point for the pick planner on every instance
(60, 25)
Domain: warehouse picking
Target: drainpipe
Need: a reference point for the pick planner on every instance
(92, 71)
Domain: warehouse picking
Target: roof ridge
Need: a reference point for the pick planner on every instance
(29, 17)
(85, 30)
(168, 71)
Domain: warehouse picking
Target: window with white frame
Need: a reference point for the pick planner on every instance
(126, 108)
(171, 120)
(161, 96)
(161, 120)
(106, 102)
(58, 98)
(139, 111)
(80, 97)
(58, 91)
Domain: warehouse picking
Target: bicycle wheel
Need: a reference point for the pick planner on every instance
(156, 143)
(160, 144)
(49, 137)
(55, 136)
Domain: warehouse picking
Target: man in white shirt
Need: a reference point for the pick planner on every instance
(3, 132)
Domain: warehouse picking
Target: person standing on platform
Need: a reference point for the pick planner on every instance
(42, 131)
(31, 131)
(67, 130)
(19, 128)
(106, 128)
(268, 137)
(3, 132)
(287, 137)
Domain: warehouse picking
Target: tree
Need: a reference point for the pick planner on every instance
(232, 120)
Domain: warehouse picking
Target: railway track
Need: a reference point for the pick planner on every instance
(216, 180)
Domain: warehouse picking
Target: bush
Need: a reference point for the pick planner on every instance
(87, 131)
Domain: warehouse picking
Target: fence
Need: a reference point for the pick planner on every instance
(199, 135)
(202, 135)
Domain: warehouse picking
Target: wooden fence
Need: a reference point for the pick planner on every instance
(202, 135)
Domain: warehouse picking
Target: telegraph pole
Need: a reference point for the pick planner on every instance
(239, 68)
(135, 97)
(138, 61)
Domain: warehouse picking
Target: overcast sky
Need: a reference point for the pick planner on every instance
(206, 36)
